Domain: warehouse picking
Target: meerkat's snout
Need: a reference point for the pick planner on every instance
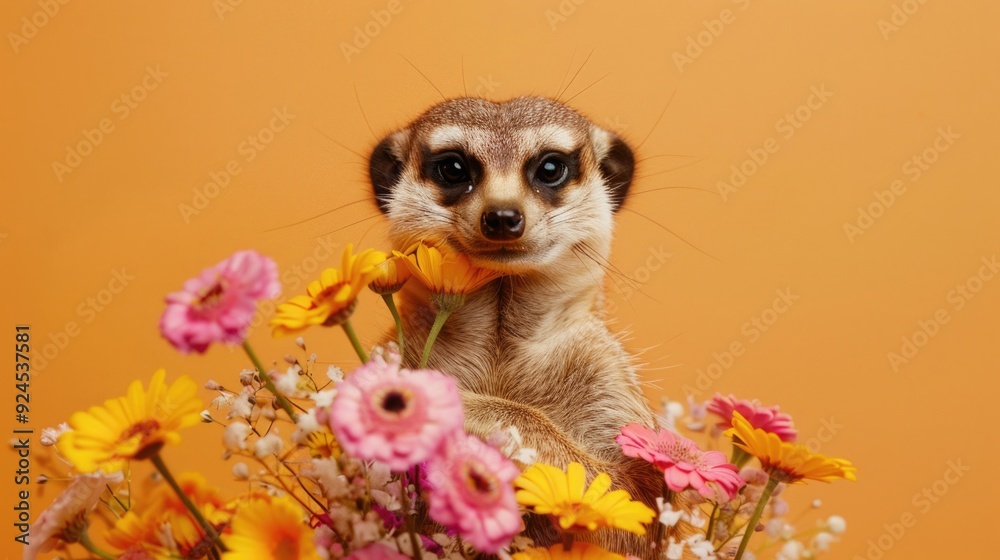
(502, 224)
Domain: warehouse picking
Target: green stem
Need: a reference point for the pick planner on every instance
(89, 545)
(391, 304)
(278, 397)
(442, 316)
(739, 457)
(405, 498)
(195, 512)
(353, 336)
(751, 525)
(711, 522)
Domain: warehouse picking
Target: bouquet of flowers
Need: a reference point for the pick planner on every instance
(375, 464)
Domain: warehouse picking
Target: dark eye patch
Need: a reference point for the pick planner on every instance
(454, 171)
(549, 172)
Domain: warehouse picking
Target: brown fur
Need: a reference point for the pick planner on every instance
(530, 349)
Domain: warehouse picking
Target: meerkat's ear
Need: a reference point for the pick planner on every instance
(617, 166)
(385, 167)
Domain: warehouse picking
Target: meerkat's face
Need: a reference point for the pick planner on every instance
(517, 185)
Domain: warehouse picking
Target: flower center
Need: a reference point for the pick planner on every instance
(213, 295)
(142, 427)
(393, 403)
(286, 549)
(682, 453)
(480, 481)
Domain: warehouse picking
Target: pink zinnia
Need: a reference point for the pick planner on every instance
(472, 490)
(398, 417)
(684, 465)
(66, 519)
(767, 418)
(218, 305)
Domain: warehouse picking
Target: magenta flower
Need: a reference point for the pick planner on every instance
(398, 417)
(684, 465)
(218, 305)
(472, 490)
(767, 418)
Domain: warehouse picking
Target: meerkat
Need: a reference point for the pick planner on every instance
(528, 187)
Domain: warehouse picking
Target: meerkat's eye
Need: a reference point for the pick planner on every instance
(552, 171)
(450, 169)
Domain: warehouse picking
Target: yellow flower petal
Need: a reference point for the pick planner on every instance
(565, 496)
(141, 422)
(273, 529)
(788, 462)
(329, 300)
(443, 271)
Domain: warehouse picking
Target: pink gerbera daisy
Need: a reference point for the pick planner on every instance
(398, 417)
(472, 490)
(767, 418)
(218, 305)
(684, 465)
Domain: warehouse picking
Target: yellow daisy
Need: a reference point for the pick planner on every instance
(322, 445)
(445, 272)
(135, 426)
(579, 551)
(787, 462)
(270, 530)
(162, 525)
(331, 299)
(390, 276)
(549, 491)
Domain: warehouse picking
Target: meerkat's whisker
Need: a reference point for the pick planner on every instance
(337, 142)
(571, 80)
(689, 164)
(658, 119)
(671, 232)
(443, 96)
(352, 224)
(361, 108)
(678, 187)
(592, 84)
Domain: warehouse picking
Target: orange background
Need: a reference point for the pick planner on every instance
(824, 359)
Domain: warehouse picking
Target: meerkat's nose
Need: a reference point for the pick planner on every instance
(502, 224)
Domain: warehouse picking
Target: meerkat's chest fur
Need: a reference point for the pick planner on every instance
(542, 346)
